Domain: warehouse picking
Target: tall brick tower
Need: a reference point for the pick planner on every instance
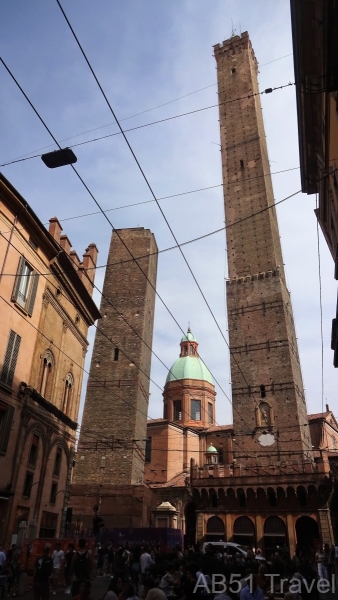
(269, 407)
(112, 441)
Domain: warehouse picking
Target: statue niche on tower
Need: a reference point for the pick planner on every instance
(264, 416)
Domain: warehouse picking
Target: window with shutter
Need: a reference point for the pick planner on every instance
(32, 292)
(11, 357)
(5, 428)
(25, 286)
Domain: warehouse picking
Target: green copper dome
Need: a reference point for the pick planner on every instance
(212, 449)
(188, 337)
(189, 367)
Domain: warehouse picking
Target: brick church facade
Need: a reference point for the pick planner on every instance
(269, 477)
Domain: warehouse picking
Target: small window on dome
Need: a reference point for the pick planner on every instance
(177, 410)
(191, 349)
(195, 410)
(210, 415)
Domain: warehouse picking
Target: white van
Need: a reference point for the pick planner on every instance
(229, 548)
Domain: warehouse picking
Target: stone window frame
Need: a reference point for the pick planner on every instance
(68, 393)
(47, 372)
(25, 286)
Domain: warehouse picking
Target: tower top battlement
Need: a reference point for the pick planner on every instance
(235, 44)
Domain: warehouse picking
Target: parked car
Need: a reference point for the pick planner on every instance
(230, 548)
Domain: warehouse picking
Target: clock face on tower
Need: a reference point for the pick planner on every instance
(266, 439)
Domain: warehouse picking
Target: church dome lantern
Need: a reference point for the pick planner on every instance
(211, 455)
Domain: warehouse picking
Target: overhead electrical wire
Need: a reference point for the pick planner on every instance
(84, 431)
(168, 197)
(146, 180)
(122, 352)
(110, 223)
(135, 159)
(88, 433)
(109, 220)
(134, 115)
(50, 133)
(267, 91)
(197, 239)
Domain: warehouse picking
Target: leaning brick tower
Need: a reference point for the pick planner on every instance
(269, 409)
(113, 432)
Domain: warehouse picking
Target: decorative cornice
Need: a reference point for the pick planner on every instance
(255, 277)
(50, 408)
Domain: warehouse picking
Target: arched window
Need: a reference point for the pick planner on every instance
(215, 526)
(47, 367)
(274, 526)
(244, 526)
(67, 394)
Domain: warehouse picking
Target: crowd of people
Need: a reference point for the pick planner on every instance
(148, 573)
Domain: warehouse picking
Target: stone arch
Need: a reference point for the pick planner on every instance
(196, 494)
(251, 495)
(274, 534)
(37, 428)
(291, 494)
(215, 528)
(307, 532)
(312, 493)
(204, 498)
(221, 497)
(213, 498)
(271, 496)
(302, 495)
(241, 497)
(281, 492)
(232, 502)
(59, 441)
(244, 531)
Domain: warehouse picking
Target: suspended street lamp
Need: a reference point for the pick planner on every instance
(59, 158)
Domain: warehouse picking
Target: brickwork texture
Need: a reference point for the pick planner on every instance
(117, 397)
(268, 392)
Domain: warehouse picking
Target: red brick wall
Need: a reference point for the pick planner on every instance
(116, 406)
(261, 329)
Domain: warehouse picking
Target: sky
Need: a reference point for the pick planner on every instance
(156, 58)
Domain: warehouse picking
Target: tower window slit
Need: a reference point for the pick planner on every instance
(263, 393)
(116, 354)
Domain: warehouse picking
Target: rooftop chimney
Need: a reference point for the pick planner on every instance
(75, 259)
(88, 266)
(65, 243)
(55, 229)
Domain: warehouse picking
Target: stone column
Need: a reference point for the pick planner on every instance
(228, 527)
(325, 526)
(259, 532)
(199, 525)
(291, 533)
